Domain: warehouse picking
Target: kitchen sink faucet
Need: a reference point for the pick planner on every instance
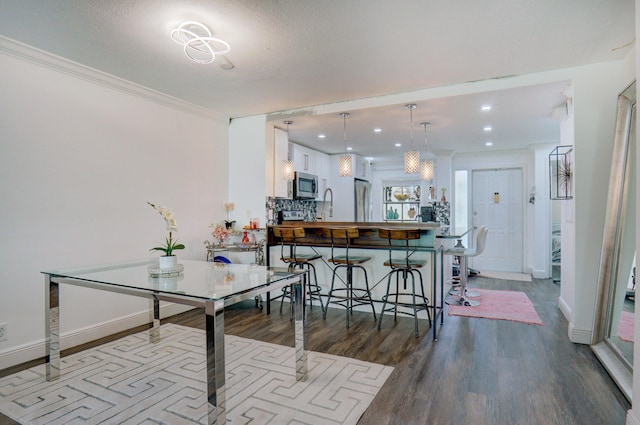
(324, 203)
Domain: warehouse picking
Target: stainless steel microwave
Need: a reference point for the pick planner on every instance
(305, 186)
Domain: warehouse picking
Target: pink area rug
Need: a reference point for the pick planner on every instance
(625, 326)
(514, 306)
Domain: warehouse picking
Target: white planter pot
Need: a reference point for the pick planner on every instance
(168, 262)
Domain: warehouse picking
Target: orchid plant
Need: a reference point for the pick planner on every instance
(221, 233)
(170, 245)
(228, 207)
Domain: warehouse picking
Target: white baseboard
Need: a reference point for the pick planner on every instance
(35, 350)
(579, 336)
(539, 274)
(632, 418)
(565, 309)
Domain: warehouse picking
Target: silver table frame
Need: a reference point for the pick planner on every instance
(214, 319)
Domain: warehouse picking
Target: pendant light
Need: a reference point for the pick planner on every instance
(426, 166)
(412, 157)
(288, 169)
(345, 166)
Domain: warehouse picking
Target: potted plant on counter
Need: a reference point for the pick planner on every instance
(168, 260)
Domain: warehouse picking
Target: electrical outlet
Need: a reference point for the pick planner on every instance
(3, 331)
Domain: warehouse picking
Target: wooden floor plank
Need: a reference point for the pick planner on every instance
(478, 372)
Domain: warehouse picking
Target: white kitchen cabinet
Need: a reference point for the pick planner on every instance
(362, 167)
(324, 173)
(281, 187)
(310, 161)
(305, 159)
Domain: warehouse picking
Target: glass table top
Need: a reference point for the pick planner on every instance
(197, 279)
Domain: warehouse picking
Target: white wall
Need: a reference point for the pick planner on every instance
(248, 154)
(80, 154)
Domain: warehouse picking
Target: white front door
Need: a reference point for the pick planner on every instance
(497, 202)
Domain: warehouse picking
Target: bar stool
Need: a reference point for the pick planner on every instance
(289, 237)
(461, 297)
(403, 267)
(348, 297)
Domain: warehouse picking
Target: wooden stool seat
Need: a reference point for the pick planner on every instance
(402, 263)
(301, 258)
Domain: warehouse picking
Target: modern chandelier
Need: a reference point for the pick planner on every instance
(198, 42)
(344, 165)
(426, 165)
(288, 168)
(412, 157)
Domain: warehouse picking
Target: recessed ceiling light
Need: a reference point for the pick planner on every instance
(321, 136)
(377, 130)
(397, 145)
(349, 148)
(487, 128)
(486, 107)
(489, 144)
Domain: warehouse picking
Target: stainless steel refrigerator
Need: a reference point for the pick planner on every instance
(363, 207)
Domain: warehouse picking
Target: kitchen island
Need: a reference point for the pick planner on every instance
(369, 244)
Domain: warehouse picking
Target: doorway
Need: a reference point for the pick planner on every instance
(497, 202)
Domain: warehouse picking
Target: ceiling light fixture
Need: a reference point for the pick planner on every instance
(412, 157)
(321, 136)
(487, 128)
(426, 166)
(486, 107)
(198, 42)
(489, 144)
(377, 130)
(344, 164)
(288, 168)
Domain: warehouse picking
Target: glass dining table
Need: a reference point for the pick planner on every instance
(212, 286)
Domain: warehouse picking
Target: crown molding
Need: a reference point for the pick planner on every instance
(59, 64)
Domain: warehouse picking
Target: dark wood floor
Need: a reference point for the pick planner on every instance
(478, 372)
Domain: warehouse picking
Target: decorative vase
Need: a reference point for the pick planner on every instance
(411, 213)
(245, 239)
(168, 262)
(229, 224)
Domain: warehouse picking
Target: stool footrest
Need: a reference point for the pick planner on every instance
(422, 303)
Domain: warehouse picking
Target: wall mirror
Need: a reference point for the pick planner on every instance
(615, 307)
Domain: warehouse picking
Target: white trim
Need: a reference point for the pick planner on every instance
(65, 66)
(632, 419)
(36, 350)
(538, 274)
(565, 309)
(579, 336)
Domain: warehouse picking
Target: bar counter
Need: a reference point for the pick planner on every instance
(370, 244)
(368, 239)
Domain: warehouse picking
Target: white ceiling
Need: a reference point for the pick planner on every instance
(294, 53)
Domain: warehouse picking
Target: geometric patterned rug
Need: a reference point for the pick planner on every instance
(514, 306)
(131, 381)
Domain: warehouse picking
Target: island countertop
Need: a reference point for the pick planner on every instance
(368, 239)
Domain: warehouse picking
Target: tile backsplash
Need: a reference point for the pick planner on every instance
(275, 205)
